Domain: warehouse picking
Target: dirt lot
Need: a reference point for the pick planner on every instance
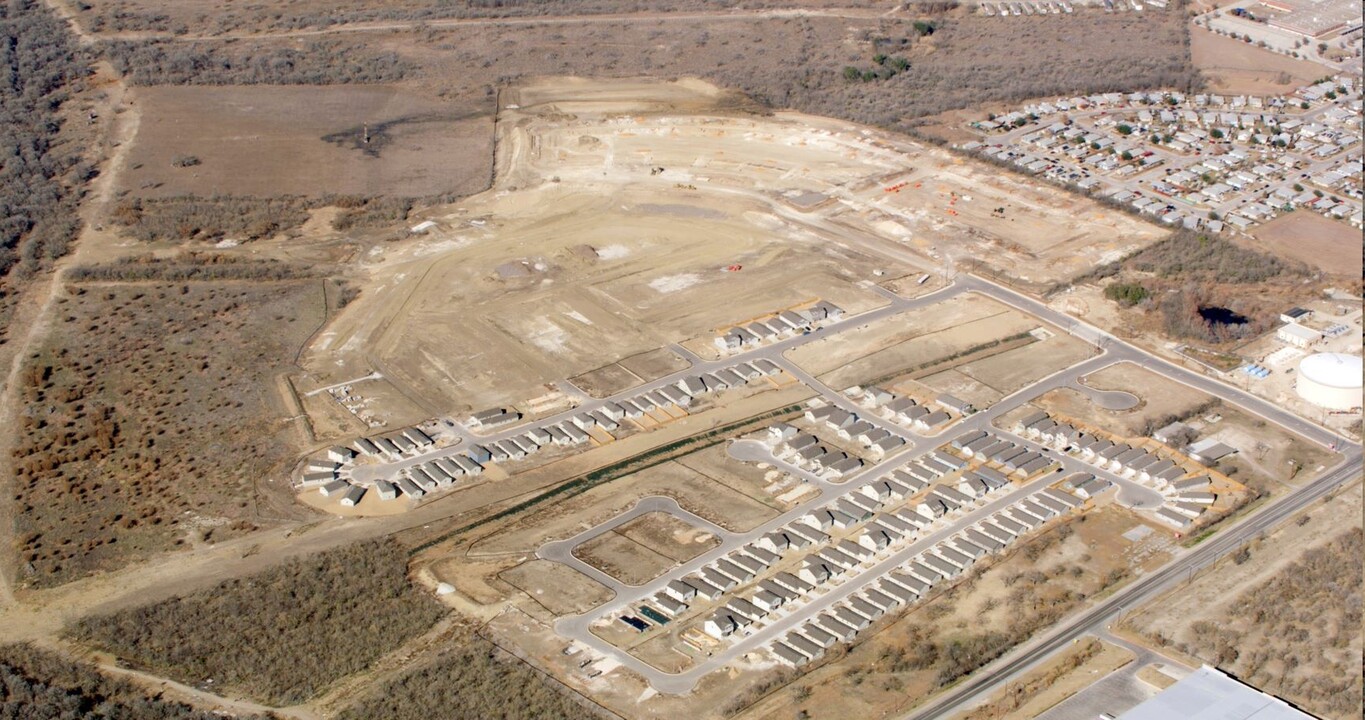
(623, 558)
(909, 340)
(1331, 245)
(610, 240)
(1159, 397)
(668, 536)
(1230, 617)
(1233, 66)
(696, 493)
(156, 421)
(559, 588)
(627, 373)
(1012, 370)
(270, 141)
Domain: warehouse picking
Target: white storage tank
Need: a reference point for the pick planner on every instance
(1331, 380)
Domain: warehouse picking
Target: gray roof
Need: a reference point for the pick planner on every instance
(1207, 694)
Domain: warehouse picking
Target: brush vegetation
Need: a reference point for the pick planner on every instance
(39, 685)
(280, 636)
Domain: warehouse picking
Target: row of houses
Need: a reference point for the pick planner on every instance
(734, 376)
(900, 410)
(1186, 497)
(396, 445)
(782, 325)
(493, 418)
(906, 584)
(1004, 9)
(907, 411)
(1010, 457)
(806, 451)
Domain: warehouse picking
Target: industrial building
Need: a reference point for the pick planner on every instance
(1207, 694)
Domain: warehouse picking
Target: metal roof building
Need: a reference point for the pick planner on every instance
(1207, 694)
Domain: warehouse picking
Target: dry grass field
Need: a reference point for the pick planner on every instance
(557, 587)
(1233, 66)
(1283, 615)
(1308, 237)
(269, 141)
(153, 421)
(624, 559)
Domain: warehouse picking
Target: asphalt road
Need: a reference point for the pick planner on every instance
(562, 551)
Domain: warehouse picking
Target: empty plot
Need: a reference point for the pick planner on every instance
(669, 536)
(606, 380)
(1011, 370)
(310, 141)
(1309, 237)
(561, 589)
(623, 558)
(1234, 66)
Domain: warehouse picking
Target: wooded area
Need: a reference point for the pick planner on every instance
(280, 636)
(1298, 634)
(473, 680)
(40, 177)
(39, 685)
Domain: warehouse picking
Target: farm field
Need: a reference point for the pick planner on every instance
(271, 141)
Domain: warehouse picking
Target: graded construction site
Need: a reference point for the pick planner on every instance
(627, 217)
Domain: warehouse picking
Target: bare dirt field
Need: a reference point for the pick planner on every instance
(1233, 66)
(1158, 397)
(668, 536)
(910, 340)
(694, 492)
(1331, 245)
(269, 141)
(1290, 628)
(623, 558)
(633, 215)
(558, 587)
(156, 421)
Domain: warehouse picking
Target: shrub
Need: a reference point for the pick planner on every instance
(473, 680)
(1126, 294)
(282, 635)
(40, 176)
(39, 685)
